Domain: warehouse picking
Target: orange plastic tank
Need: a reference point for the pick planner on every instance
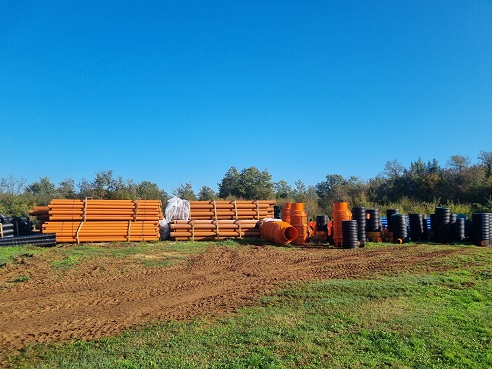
(286, 212)
(341, 212)
(298, 219)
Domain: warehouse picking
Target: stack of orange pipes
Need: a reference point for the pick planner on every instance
(101, 220)
(208, 230)
(103, 231)
(232, 210)
(213, 220)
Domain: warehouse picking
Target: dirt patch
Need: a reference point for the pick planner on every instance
(100, 297)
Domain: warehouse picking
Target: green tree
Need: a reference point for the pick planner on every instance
(356, 191)
(486, 161)
(255, 184)
(308, 196)
(13, 200)
(206, 194)
(418, 168)
(105, 186)
(229, 186)
(299, 193)
(185, 192)
(393, 169)
(333, 189)
(66, 189)
(433, 166)
(42, 191)
(458, 162)
(146, 190)
(282, 190)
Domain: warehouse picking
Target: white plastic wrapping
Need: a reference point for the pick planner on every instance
(177, 209)
(164, 229)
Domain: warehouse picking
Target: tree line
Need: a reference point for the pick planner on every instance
(459, 184)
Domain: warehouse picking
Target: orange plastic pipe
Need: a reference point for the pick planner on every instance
(286, 212)
(281, 233)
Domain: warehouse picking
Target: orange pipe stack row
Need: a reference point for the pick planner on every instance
(208, 230)
(231, 210)
(101, 220)
(213, 220)
(103, 231)
(88, 209)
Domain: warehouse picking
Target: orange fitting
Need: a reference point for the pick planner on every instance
(280, 233)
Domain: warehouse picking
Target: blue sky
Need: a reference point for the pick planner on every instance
(177, 92)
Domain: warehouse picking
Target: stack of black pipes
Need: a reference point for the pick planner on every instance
(349, 234)
(399, 227)
(441, 227)
(482, 229)
(372, 221)
(359, 214)
(417, 231)
(389, 213)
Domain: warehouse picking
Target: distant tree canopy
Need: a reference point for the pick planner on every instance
(17, 199)
(185, 192)
(249, 184)
(206, 194)
(458, 182)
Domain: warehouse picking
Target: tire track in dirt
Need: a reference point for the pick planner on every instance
(82, 306)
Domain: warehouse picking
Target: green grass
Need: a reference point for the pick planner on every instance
(69, 256)
(20, 278)
(12, 253)
(438, 320)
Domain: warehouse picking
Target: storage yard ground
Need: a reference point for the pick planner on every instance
(245, 304)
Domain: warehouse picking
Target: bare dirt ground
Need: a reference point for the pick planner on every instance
(103, 297)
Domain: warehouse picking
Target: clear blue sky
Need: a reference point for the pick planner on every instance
(177, 92)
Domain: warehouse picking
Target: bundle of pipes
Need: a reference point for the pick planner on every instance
(41, 213)
(208, 230)
(101, 231)
(100, 220)
(35, 239)
(88, 209)
(232, 210)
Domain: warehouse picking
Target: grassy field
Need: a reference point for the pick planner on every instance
(433, 320)
(70, 256)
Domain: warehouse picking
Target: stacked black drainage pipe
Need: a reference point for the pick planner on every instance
(452, 227)
(359, 214)
(38, 239)
(482, 228)
(6, 227)
(399, 226)
(416, 227)
(460, 230)
(389, 213)
(426, 222)
(442, 227)
(372, 221)
(15, 226)
(17, 231)
(7, 230)
(432, 230)
(22, 225)
(349, 234)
